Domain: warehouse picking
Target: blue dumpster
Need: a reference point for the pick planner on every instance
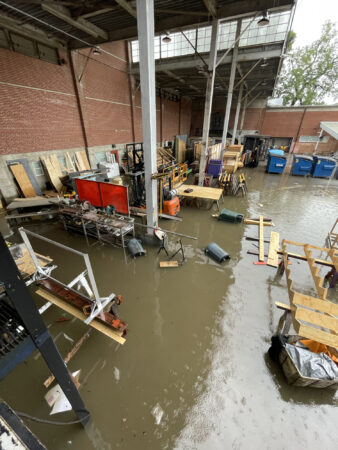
(302, 165)
(323, 166)
(276, 161)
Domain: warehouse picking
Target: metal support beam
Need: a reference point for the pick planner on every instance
(231, 87)
(208, 98)
(127, 7)
(29, 32)
(23, 302)
(81, 24)
(145, 26)
(189, 61)
(251, 90)
(242, 120)
(211, 7)
(181, 80)
(247, 74)
(238, 108)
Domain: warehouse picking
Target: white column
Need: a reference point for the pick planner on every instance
(231, 87)
(208, 98)
(238, 108)
(242, 121)
(145, 28)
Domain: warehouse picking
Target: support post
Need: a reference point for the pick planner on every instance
(318, 140)
(238, 108)
(208, 98)
(242, 120)
(231, 87)
(23, 302)
(145, 28)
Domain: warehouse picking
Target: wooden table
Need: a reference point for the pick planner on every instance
(201, 192)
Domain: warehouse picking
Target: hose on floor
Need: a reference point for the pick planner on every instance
(52, 422)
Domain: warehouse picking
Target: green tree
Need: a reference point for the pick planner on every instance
(310, 73)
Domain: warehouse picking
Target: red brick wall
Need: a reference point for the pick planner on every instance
(39, 108)
(42, 117)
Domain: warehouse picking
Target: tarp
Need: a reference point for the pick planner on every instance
(331, 128)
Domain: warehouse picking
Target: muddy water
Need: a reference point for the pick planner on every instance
(193, 373)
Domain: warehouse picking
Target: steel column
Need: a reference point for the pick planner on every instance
(238, 108)
(145, 28)
(23, 302)
(242, 120)
(208, 98)
(231, 87)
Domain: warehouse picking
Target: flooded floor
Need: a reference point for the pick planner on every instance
(194, 372)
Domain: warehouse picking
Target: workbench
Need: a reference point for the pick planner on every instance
(201, 192)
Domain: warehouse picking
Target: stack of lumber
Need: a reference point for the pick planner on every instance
(164, 157)
(54, 169)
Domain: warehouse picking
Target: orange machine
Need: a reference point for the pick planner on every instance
(171, 207)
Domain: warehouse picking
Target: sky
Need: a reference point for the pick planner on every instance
(309, 18)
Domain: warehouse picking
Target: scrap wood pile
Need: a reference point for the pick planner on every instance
(53, 168)
(165, 157)
(310, 357)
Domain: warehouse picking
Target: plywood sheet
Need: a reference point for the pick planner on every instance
(82, 160)
(200, 192)
(54, 178)
(180, 150)
(23, 180)
(105, 329)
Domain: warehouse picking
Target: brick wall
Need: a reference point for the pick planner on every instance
(278, 123)
(40, 108)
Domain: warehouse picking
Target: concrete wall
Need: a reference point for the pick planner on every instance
(44, 108)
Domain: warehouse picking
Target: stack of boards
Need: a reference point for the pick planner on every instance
(53, 169)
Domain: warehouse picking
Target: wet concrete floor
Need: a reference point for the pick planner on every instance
(194, 372)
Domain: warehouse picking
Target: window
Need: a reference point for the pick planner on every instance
(100, 157)
(37, 168)
(28, 47)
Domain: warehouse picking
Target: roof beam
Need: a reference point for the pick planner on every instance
(211, 7)
(81, 24)
(192, 61)
(29, 32)
(127, 7)
(181, 80)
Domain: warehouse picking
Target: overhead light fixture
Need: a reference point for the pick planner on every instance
(96, 51)
(264, 83)
(264, 63)
(166, 39)
(264, 20)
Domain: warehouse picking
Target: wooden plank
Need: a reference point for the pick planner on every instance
(108, 331)
(80, 163)
(274, 246)
(283, 306)
(22, 179)
(322, 292)
(180, 150)
(56, 165)
(168, 263)
(256, 222)
(318, 335)
(314, 303)
(85, 159)
(317, 319)
(69, 162)
(55, 180)
(200, 192)
(261, 239)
